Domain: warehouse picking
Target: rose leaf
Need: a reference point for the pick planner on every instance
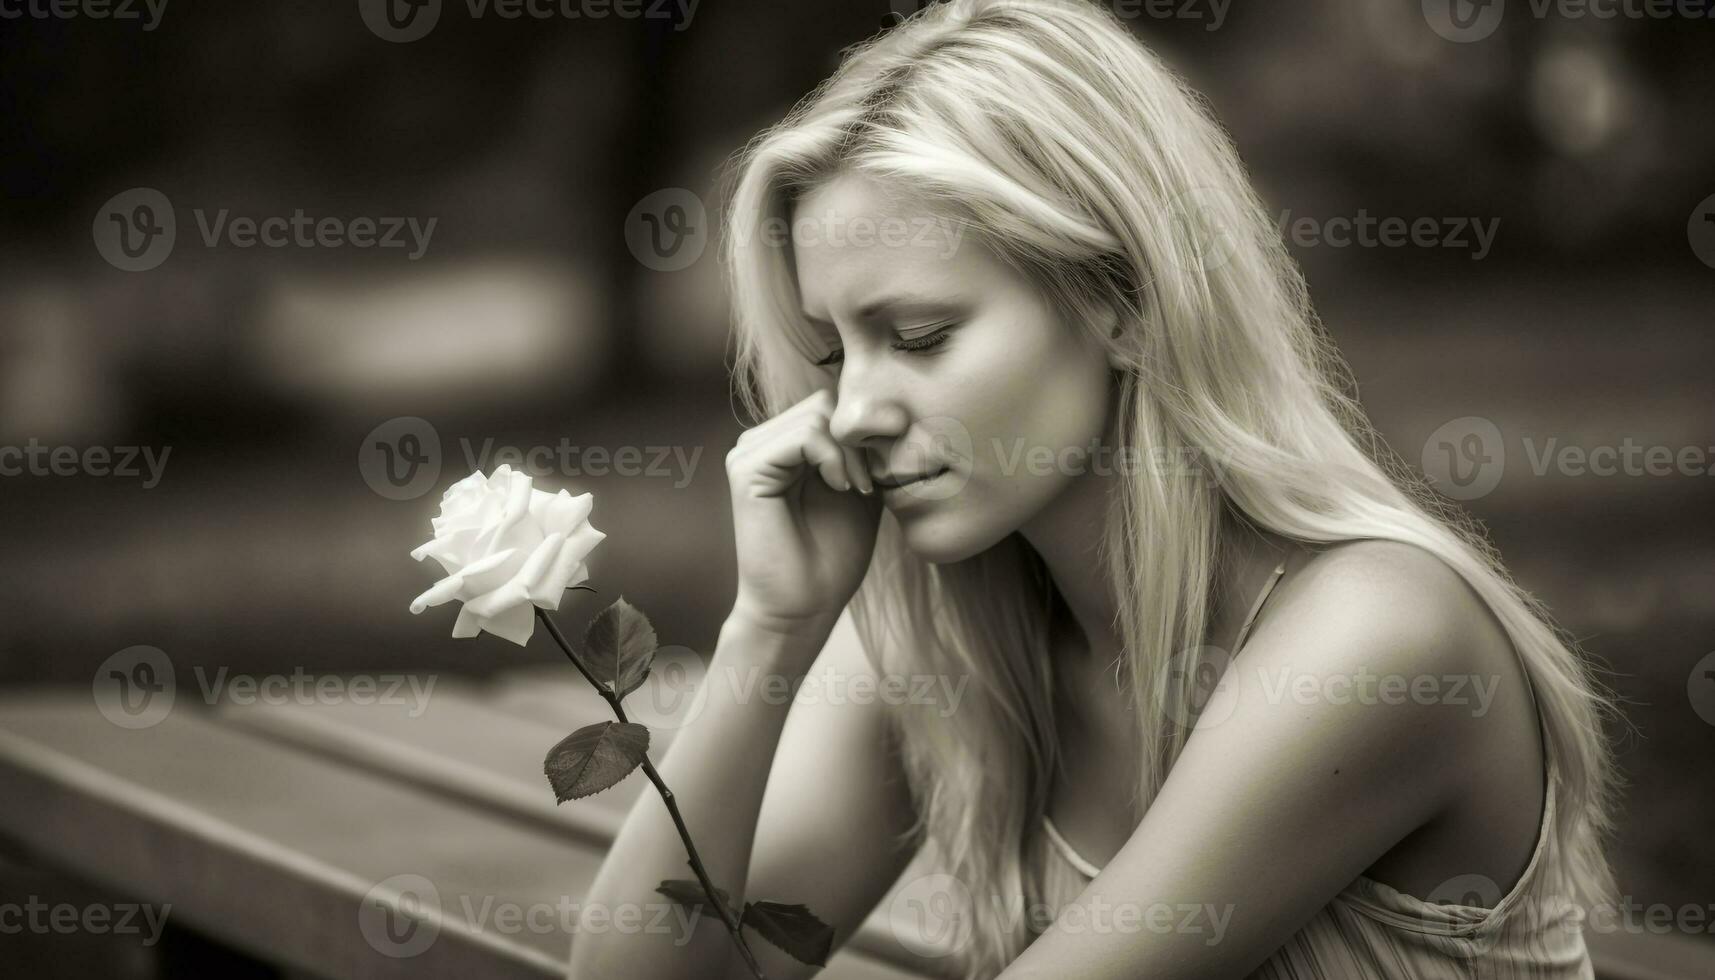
(619, 647)
(690, 893)
(595, 757)
(793, 928)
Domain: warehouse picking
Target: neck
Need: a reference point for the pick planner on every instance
(1067, 536)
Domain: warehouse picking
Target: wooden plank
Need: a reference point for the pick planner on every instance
(455, 744)
(293, 858)
(501, 733)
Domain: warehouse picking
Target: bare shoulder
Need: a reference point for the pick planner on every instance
(1395, 590)
(1409, 618)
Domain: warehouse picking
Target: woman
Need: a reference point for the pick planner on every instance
(1046, 405)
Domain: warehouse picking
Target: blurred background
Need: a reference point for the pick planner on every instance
(552, 281)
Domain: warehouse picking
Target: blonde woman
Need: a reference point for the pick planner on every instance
(1046, 406)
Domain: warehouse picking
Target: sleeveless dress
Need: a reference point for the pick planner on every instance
(1371, 930)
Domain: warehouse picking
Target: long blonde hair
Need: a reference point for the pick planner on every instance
(1075, 155)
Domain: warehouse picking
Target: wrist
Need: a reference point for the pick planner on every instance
(756, 635)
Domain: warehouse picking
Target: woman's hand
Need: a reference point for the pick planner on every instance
(805, 514)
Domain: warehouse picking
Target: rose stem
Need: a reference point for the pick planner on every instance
(612, 699)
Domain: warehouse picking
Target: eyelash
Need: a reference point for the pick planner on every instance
(925, 342)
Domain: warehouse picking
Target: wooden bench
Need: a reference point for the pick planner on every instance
(304, 833)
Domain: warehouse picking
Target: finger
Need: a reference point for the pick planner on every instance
(779, 463)
(818, 402)
(858, 470)
(829, 457)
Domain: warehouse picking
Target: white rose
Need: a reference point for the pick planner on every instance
(506, 547)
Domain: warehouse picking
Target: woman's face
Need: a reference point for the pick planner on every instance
(950, 363)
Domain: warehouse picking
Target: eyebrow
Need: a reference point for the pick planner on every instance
(896, 304)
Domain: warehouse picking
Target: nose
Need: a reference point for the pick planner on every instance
(866, 413)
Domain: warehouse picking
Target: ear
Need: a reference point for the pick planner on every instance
(1110, 322)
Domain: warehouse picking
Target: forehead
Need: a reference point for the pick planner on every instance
(852, 236)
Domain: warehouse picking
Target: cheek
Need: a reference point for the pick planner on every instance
(1033, 404)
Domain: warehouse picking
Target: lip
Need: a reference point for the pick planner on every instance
(893, 488)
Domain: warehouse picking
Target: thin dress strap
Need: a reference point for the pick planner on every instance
(1256, 607)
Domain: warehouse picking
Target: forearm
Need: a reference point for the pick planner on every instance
(717, 770)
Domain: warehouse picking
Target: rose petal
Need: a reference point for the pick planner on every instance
(445, 590)
(515, 624)
(534, 576)
(450, 550)
(498, 600)
(466, 625)
(562, 512)
(578, 546)
(517, 588)
(489, 572)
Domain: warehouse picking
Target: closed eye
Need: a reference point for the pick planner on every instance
(934, 338)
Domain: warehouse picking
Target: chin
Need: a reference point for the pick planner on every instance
(943, 535)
